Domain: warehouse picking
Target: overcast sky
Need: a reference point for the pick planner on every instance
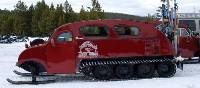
(134, 7)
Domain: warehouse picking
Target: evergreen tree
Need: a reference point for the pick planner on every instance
(29, 20)
(150, 18)
(51, 20)
(70, 15)
(67, 13)
(20, 19)
(95, 11)
(5, 27)
(41, 19)
(60, 14)
(83, 14)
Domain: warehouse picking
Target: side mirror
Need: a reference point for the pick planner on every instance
(52, 42)
(78, 38)
(70, 39)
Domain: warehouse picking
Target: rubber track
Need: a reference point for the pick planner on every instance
(86, 63)
(130, 61)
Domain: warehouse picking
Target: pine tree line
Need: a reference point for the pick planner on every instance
(41, 19)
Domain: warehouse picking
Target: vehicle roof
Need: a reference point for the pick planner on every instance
(108, 22)
(105, 21)
(148, 27)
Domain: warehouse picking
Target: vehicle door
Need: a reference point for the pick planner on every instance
(128, 41)
(94, 41)
(61, 53)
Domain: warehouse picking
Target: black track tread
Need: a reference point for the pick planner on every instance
(151, 73)
(172, 74)
(128, 76)
(97, 75)
(121, 61)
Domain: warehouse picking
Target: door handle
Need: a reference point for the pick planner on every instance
(79, 38)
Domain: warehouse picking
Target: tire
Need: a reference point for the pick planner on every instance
(145, 70)
(166, 70)
(103, 72)
(87, 70)
(124, 71)
(30, 66)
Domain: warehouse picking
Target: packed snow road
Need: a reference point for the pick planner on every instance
(188, 78)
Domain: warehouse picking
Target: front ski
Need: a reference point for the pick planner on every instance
(29, 74)
(191, 61)
(30, 82)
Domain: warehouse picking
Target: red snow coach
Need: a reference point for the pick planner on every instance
(189, 43)
(103, 49)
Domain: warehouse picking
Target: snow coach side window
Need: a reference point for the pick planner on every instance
(64, 37)
(127, 31)
(184, 32)
(134, 31)
(94, 31)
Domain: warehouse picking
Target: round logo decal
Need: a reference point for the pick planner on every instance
(87, 49)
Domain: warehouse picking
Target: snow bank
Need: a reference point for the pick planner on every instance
(33, 38)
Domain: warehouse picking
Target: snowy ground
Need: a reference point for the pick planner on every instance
(189, 78)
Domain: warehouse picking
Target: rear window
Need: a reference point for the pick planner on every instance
(94, 31)
(127, 30)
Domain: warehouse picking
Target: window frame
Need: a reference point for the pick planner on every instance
(190, 22)
(62, 33)
(95, 37)
(184, 30)
(130, 29)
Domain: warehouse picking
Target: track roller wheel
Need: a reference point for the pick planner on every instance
(166, 69)
(145, 70)
(123, 71)
(87, 70)
(103, 72)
